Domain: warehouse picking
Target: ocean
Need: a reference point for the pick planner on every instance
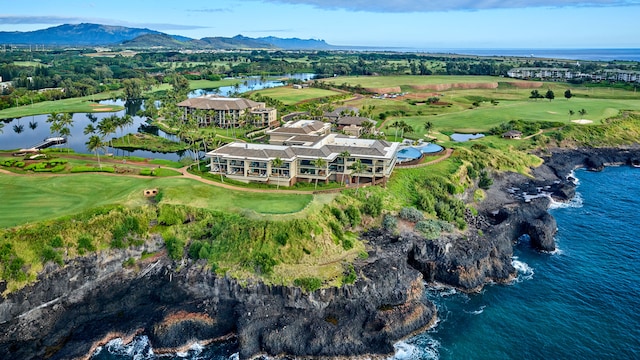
(579, 302)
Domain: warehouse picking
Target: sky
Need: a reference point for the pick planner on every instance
(408, 24)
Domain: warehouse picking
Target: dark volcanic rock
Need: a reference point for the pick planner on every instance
(541, 232)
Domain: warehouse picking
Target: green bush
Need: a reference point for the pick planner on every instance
(337, 230)
(50, 254)
(309, 284)
(485, 181)
(373, 205)
(80, 169)
(389, 223)
(353, 214)
(263, 263)
(171, 215)
(85, 243)
(56, 242)
(411, 214)
(130, 262)
(175, 247)
(340, 215)
(351, 276)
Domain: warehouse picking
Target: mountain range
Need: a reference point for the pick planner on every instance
(125, 37)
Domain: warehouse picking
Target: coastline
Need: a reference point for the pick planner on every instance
(58, 316)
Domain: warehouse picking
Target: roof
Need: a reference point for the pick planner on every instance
(301, 127)
(512, 133)
(328, 147)
(352, 120)
(215, 102)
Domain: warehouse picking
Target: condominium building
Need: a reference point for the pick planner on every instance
(294, 163)
(224, 112)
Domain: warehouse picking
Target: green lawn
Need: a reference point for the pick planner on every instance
(487, 116)
(73, 105)
(290, 96)
(413, 80)
(35, 198)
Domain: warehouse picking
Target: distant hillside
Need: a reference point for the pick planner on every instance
(236, 42)
(155, 40)
(295, 43)
(106, 35)
(73, 35)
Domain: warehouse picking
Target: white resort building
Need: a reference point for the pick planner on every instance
(227, 112)
(255, 162)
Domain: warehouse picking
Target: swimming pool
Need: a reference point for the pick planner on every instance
(415, 152)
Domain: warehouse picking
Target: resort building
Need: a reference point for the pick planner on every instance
(568, 74)
(512, 134)
(328, 158)
(224, 112)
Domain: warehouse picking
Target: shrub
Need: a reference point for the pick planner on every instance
(411, 214)
(85, 243)
(337, 230)
(309, 284)
(353, 213)
(263, 263)
(429, 229)
(485, 181)
(171, 215)
(56, 242)
(48, 253)
(339, 215)
(351, 276)
(130, 262)
(347, 243)
(389, 223)
(373, 205)
(175, 247)
(79, 169)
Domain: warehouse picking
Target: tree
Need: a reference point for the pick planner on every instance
(344, 155)
(54, 120)
(358, 167)
(568, 94)
(180, 85)
(132, 89)
(107, 126)
(1, 126)
(277, 163)
(550, 95)
(405, 127)
(535, 94)
(396, 125)
(94, 144)
(66, 123)
(582, 112)
(428, 126)
(319, 163)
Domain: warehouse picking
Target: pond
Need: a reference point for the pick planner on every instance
(465, 137)
(33, 129)
(27, 131)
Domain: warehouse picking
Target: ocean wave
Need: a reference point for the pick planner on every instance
(138, 349)
(423, 347)
(576, 202)
(525, 272)
(477, 312)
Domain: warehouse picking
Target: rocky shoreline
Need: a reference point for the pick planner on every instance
(90, 300)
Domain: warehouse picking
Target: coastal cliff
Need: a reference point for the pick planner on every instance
(92, 299)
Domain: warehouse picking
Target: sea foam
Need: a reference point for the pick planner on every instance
(525, 272)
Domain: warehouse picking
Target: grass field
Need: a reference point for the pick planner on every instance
(290, 96)
(74, 105)
(413, 80)
(35, 198)
(487, 116)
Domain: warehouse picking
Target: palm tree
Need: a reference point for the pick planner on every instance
(396, 125)
(358, 167)
(106, 127)
(582, 112)
(344, 155)
(428, 126)
(277, 163)
(319, 163)
(571, 113)
(94, 144)
(405, 127)
(66, 122)
(54, 120)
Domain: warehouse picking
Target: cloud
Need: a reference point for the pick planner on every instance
(59, 20)
(219, 10)
(409, 6)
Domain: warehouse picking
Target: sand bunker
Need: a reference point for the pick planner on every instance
(582, 121)
(103, 109)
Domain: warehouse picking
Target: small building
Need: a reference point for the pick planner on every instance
(292, 132)
(340, 112)
(512, 134)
